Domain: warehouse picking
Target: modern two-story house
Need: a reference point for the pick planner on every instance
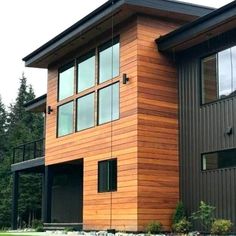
(140, 112)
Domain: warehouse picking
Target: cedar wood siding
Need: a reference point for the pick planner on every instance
(158, 172)
(94, 144)
(144, 140)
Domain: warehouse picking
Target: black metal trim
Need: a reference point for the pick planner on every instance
(188, 31)
(27, 165)
(105, 11)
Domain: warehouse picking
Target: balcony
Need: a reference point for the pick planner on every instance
(28, 155)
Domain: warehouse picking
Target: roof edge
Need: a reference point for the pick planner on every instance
(169, 40)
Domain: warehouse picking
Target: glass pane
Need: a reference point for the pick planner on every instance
(85, 112)
(109, 103)
(103, 176)
(221, 159)
(113, 175)
(66, 83)
(225, 73)
(65, 119)
(109, 66)
(209, 79)
(86, 74)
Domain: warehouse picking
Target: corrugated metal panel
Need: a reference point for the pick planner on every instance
(202, 129)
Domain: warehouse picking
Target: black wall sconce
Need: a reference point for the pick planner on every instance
(49, 110)
(229, 130)
(125, 79)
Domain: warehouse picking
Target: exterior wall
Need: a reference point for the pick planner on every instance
(202, 129)
(117, 139)
(158, 176)
(144, 139)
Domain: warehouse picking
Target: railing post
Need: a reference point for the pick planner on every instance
(35, 147)
(14, 153)
(23, 153)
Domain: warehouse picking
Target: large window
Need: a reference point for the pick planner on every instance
(65, 119)
(85, 112)
(95, 102)
(108, 100)
(109, 60)
(219, 75)
(66, 82)
(86, 72)
(218, 160)
(107, 175)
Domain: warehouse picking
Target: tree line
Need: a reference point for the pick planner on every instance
(17, 127)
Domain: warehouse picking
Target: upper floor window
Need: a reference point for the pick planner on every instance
(109, 60)
(219, 75)
(66, 82)
(108, 103)
(65, 119)
(95, 102)
(86, 72)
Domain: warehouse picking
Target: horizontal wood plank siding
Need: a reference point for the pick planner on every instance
(118, 139)
(158, 172)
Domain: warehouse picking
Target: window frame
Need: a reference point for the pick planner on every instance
(98, 99)
(95, 89)
(57, 128)
(212, 53)
(76, 112)
(109, 189)
(63, 68)
(217, 151)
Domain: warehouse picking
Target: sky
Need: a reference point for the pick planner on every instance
(26, 25)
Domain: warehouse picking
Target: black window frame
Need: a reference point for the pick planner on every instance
(111, 183)
(217, 151)
(76, 112)
(201, 58)
(94, 89)
(98, 102)
(80, 59)
(102, 47)
(60, 70)
(57, 128)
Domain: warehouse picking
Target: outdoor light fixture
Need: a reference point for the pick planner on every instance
(49, 110)
(125, 78)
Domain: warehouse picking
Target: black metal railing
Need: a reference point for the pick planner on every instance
(29, 151)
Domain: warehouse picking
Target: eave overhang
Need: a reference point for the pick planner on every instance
(98, 22)
(200, 30)
(37, 105)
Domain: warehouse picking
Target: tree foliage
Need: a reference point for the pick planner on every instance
(17, 127)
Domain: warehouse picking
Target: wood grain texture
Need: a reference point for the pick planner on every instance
(158, 172)
(116, 139)
(144, 140)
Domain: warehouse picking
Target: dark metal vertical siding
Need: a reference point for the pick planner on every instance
(202, 129)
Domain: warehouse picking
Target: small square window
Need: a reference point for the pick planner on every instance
(107, 175)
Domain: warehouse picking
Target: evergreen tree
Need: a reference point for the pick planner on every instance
(16, 128)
